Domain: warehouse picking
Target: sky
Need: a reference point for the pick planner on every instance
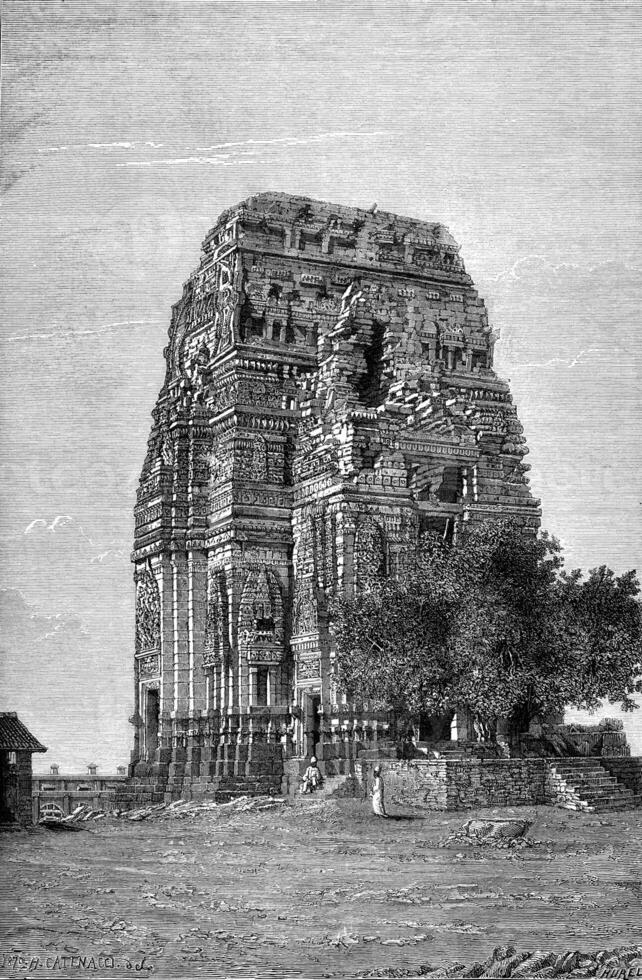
(127, 127)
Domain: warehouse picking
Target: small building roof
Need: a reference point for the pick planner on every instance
(16, 737)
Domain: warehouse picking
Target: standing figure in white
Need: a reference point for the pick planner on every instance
(378, 807)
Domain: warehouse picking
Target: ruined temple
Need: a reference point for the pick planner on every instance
(329, 395)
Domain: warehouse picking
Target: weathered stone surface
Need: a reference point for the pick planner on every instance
(329, 394)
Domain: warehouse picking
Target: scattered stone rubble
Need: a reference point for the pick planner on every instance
(500, 833)
(177, 810)
(624, 962)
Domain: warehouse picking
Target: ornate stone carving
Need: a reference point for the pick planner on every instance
(304, 618)
(309, 669)
(261, 628)
(226, 302)
(252, 456)
(369, 552)
(149, 666)
(148, 625)
(215, 646)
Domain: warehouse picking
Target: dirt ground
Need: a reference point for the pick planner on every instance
(311, 889)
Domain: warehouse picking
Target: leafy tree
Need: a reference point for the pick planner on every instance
(494, 624)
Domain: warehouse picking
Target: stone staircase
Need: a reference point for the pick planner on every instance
(340, 778)
(579, 783)
(229, 788)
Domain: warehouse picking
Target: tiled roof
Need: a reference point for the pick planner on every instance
(16, 737)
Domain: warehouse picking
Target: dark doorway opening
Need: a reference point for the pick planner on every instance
(152, 719)
(311, 723)
(262, 681)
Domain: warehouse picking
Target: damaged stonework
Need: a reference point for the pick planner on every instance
(329, 395)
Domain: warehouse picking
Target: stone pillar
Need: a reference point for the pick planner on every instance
(163, 572)
(180, 634)
(197, 606)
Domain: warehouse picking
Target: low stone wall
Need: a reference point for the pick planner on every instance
(462, 784)
(627, 770)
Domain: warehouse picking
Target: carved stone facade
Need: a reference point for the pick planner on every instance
(329, 394)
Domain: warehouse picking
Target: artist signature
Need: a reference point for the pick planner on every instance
(24, 962)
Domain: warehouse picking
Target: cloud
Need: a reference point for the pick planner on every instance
(56, 334)
(563, 316)
(27, 626)
(56, 526)
(35, 524)
(221, 161)
(564, 362)
(243, 148)
(247, 145)
(298, 140)
(108, 555)
(536, 267)
(116, 145)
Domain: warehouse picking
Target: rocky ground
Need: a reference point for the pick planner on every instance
(321, 888)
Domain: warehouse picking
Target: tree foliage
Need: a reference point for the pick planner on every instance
(493, 623)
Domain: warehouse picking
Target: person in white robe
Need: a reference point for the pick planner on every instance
(378, 806)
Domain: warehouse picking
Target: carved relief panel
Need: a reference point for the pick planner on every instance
(215, 646)
(370, 552)
(148, 613)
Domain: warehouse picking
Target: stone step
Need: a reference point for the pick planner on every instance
(589, 780)
(584, 773)
(590, 787)
(599, 790)
(614, 794)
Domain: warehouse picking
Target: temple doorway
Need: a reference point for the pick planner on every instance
(152, 719)
(311, 722)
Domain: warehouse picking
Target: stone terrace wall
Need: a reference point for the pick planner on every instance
(462, 784)
(627, 770)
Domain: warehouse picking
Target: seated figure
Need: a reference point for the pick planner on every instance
(312, 778)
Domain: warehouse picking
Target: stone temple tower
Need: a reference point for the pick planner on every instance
(329, 394)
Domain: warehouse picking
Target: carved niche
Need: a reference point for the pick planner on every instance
(304, 617)
(370, 552)
(148, 613)
(260, 629)
(215, 646)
